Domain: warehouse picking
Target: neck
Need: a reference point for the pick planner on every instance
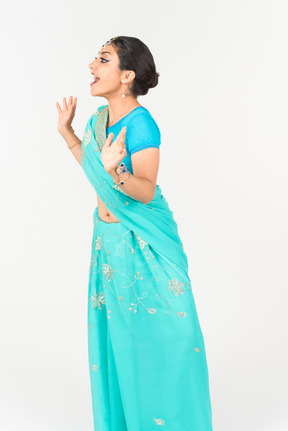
(120, 107)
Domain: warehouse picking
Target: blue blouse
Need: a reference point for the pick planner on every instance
(142, 132)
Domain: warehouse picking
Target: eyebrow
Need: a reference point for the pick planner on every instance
(105, 52)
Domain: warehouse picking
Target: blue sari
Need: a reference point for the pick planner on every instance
(147, 359)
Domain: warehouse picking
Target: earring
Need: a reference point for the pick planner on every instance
(123, 95)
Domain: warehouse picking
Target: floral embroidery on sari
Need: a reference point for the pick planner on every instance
(176, 286)
(107, 271)
(141, 241)
(98, 243)
(97, 300)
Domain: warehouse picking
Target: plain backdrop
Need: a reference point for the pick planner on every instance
(221, 106)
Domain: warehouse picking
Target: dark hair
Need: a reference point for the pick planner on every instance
(135, 55)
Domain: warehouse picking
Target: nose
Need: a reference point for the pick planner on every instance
(91, 65)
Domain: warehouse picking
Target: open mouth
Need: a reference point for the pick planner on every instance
(95, 81)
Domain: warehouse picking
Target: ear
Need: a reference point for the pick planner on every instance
(128, 76)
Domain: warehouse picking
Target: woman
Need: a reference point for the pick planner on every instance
(147, 357)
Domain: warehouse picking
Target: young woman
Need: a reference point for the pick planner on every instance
(147, 358)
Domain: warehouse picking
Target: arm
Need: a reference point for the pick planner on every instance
(143, 142)
(141, 185)
(70, 138)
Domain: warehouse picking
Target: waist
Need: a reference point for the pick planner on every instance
(103, 227)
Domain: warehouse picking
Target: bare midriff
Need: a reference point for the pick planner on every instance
(105, 214)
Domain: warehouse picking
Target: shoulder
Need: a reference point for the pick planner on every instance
(141, 121)
(142, 116)
(142, 131)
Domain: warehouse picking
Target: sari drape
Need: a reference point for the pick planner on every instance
(164, 340)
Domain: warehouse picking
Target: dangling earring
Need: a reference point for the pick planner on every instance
(123, 95)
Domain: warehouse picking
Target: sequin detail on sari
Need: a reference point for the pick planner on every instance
(159, 421)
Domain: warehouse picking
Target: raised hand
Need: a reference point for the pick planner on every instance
(67, 114)
(112, 155)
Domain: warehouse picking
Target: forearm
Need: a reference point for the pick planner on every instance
(70, 138)
(137, 188)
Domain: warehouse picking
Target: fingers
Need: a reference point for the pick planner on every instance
(58, 108)
(71, 102)
(121, 156)
(109, 140)
(122, 134)
(65, 103)
(120, 140)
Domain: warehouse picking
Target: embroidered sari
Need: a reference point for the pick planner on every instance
(147, 359)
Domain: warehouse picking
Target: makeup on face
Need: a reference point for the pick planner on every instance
(102, 60)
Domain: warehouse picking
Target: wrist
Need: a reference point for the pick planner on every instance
(66, 131)
(120, 174)
(114, 174)
(122, 178)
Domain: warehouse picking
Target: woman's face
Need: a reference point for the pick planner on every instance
(106, 68)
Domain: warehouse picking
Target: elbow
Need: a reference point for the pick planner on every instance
(150, 197)
(146, 202)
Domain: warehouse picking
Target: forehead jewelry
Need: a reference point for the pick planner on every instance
(108, 42)
(105, 44)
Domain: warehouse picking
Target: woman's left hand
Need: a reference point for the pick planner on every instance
(111, 155)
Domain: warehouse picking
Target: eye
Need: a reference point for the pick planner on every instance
(101, 58)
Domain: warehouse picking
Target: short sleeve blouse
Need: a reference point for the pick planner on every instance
(142, 132)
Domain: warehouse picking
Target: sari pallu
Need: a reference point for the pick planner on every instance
(147, 358)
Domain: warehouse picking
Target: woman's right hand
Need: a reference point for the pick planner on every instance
(112, 154)
(67, 114)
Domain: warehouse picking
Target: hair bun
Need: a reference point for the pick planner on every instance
(135, 55)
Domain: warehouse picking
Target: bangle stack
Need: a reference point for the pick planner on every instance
(123, 173)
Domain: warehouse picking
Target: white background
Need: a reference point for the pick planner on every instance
(221, 106)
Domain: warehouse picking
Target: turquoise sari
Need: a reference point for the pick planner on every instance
(147, 358)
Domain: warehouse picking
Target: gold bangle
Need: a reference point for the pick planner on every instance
(79, 142)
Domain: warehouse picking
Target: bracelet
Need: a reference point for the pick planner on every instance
(121, 171)
(122, 179)
(79, 142)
